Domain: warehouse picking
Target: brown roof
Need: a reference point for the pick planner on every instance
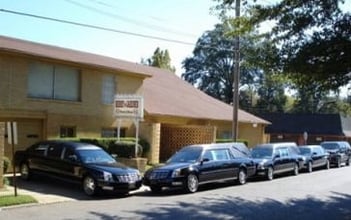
(166, 94)
(59, 53)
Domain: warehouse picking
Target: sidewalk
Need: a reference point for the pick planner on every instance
(42, 198)
(46, 198)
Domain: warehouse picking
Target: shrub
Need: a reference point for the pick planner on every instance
(6, 163)
(125, 149)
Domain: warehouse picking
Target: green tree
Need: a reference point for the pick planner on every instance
(211, 67)
(271, 93)
(314, 37)
(161, 59)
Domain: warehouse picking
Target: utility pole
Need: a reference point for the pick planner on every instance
(236, 77)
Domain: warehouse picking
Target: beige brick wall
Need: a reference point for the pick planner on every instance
(89, 115)
(152, 133)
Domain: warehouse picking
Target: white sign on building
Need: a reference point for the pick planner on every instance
(129, 106)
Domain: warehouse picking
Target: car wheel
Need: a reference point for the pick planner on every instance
(309, 167)
(270, 173)
(348, 161)
(327, 165)
(242, 177)
(338, 162)
(156, 189)
(89, 186)
(192, 183)
(296, 169)
(25, 171)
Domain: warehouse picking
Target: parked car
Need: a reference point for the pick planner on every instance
(199, 164)
(340, 152)
(77, 162)
(274, 158)
(314, 156)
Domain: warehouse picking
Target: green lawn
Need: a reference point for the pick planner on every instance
(9, 200)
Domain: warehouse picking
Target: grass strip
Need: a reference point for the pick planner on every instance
(10, 200)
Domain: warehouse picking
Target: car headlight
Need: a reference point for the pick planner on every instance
(176, 173)
(107, 176)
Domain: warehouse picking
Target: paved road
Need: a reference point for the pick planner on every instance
(323, 194)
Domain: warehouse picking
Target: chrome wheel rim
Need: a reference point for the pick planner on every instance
(193, 183)
(309, 167)
(296, 170)
(24, 171)
(328, 165)
(242, 177)
(89, 186)
(270, 173)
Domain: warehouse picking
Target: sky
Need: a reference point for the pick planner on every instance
(175, 20)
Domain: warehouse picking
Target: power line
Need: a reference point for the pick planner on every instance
(96, 27)
(128, 20)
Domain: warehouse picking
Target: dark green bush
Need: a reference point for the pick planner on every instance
(125, 149)
(6, 163)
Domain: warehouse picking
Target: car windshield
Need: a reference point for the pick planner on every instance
(305, 151)
(330, 146)
(189, 154)
(262, 152)
(95, 156)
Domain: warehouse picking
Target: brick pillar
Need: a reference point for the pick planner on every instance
(2, 148)
(152, 133)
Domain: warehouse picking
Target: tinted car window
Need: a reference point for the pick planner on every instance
(305, 151)
(55, 151)
(221, 154)
(95, 156)
(39, 149)
(189, 154)
(330, 146)
(283, 152)
(262, 152)
(208, 155)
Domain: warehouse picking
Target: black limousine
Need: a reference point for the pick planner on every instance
(199, 164)
(77, 162)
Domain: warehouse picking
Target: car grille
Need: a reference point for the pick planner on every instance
(128, 178)
(159, 175)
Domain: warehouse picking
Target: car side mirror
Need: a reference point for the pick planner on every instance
(276, 156)
(114, 156)
(204, 160)
(314, 153)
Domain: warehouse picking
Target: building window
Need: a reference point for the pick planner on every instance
(46, 81)
(112, 132)
(108, 89)
(66, 131)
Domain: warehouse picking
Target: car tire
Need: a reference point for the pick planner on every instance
(348, 161)
(309, 167)
(296, 169)
(338, 162)
(156, 189)
(327, 165)
(270, 173)
(25, 171)
(191, 183)
(242, 177)
(90, 186)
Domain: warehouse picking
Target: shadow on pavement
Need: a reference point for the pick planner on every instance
(336, 207)
(42, 186)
